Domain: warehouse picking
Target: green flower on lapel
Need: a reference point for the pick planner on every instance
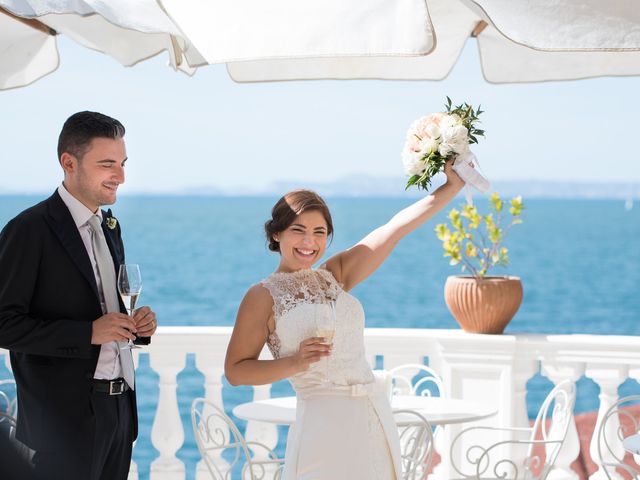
(111, 223)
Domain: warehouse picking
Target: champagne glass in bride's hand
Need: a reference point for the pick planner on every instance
(129, 287)
(326, 328)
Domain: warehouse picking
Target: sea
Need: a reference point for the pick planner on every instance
(579, 261)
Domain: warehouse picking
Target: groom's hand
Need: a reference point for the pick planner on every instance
(113, 326)
(146, 322)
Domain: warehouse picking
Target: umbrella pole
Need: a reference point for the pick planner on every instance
(480, 26)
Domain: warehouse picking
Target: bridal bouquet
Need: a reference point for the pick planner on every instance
(436, 138)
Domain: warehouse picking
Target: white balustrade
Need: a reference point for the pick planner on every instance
(489, 369)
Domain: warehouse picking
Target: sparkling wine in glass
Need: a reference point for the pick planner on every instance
(129, 287)
(326, 328)
(327, 334)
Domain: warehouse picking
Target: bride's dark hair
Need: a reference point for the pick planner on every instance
(285, 211)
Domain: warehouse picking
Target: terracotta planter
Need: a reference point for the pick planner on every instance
(483, 306)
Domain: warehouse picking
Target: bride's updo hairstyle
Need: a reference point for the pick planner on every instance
(285, 211)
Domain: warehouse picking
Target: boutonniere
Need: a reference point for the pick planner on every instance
(111, 221)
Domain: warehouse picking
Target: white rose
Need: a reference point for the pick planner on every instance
(455, 139)
(454, 134)
(433, 131)
(445, 149)
(450, 120)
(412, 161)
(429, 145)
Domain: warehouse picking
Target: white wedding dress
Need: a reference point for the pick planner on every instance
(344, 428)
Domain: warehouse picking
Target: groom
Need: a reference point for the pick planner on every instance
(61, 316)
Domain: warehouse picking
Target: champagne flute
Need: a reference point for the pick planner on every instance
(129, 287)
(326, 328)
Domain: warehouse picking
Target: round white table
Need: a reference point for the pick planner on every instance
(438, 411)
(632, 444)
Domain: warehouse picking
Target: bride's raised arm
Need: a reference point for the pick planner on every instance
(353, 265)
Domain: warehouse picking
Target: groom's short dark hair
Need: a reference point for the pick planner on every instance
(82, 127)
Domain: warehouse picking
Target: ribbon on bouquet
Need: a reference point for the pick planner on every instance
(467, 167)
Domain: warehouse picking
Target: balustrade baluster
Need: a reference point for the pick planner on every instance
(167, 433)
(558, 372)
(210, 362)
(608, 378)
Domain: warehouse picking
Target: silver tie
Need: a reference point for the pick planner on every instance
(107, 274)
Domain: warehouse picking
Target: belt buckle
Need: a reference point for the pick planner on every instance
(116, 387)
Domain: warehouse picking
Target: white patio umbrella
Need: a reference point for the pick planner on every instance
(519, 41)
(128, 31)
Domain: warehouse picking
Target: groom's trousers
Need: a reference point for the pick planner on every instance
(101, 450)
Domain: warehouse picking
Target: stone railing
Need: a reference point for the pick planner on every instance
(490, 369)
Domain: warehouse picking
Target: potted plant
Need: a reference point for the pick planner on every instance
(481, 303)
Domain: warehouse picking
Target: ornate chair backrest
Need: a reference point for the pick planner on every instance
(428, 382)
(520, 456)
(551, 426)
(617, 423)
(224, 449)
(416, 444)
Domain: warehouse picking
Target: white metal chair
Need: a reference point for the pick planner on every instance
(551, 425)
(427, 384)
(8, 399)
(420, 380)
(216, 434)
(9, 415)
(617, 424)
(8, 408)
(416, 444)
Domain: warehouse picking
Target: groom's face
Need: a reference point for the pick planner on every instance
(94, 179)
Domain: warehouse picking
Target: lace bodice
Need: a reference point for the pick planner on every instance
(303, 302)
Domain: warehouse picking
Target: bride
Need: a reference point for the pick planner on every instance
(314, 328)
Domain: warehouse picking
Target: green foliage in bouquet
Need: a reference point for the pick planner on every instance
(475, 240)
(469, 118)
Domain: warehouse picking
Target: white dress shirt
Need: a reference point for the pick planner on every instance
(108, 366)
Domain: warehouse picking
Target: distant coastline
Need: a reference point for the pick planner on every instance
(390, 187)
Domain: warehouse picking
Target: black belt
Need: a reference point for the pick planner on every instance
(110, 387)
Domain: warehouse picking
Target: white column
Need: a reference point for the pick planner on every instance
(557, 372)
(167, 434)
(210, 362)
(608, 377)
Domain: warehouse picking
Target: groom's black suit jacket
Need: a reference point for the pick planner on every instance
(48, 301)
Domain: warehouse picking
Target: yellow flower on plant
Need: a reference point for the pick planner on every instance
(479, 249)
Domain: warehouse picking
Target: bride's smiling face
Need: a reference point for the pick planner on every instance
(303, 243)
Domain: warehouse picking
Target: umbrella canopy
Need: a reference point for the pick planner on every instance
(127, 31)
(524, 41)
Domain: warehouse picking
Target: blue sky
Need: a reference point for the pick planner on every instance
(206, 130)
